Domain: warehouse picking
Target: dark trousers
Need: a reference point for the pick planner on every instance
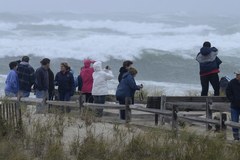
(235, 112)
(214, 80)
(122, 112)
(65, 96)
(99, 100)
(88, 97)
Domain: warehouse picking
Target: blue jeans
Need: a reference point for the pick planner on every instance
(99, 100)
(10, 94)
(235, 118)
(24, 93)
(64, 96)
(41, 107)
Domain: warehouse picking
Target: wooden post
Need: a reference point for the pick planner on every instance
(223, 127)
(163, 107)
(80, 101)
(208, 112)
(128, 101)
(19, 113)
(174, 120)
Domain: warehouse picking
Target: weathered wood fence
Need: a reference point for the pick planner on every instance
(163, 107)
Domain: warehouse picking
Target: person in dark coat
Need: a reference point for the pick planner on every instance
(51, 84)
(42, 83)
(65, 82)
(233, 94)
(25, 76)
(127, 88)
(209, 68)
(126, 65)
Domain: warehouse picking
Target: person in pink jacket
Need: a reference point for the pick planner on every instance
(87, 80)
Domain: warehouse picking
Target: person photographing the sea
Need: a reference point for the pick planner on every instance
(209, 68)
(127, 88)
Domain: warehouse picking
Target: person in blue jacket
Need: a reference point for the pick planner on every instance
(12, 84)
(127, 88)
(65, 82)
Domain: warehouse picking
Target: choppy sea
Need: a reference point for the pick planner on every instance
(163, 47)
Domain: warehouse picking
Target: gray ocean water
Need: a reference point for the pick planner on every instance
(162, 47)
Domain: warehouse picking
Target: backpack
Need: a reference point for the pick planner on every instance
(224, 82)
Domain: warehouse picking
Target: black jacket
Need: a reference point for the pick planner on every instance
(42, 79)
(51, 80)
(233, 93)
(122, 70)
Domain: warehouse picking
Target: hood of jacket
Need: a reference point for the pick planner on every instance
(123, 70)
(207, 50)
(87, 63)
(97, 66)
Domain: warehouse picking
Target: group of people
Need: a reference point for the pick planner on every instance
(209, 68)
(91, 82)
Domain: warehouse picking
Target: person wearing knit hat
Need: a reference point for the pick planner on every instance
(209, 68)
(233, 94)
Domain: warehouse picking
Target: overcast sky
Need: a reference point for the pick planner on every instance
(95, 6)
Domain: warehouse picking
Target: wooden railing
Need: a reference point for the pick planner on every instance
(164, 106)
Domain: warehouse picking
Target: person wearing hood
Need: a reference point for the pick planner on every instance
(100, 88)
(127, 88)
(209, 68)
(87, 80)
(126, 65)
(25, 76)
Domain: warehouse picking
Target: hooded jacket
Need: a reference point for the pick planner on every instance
(86, 76)
(100, 78)
(208, 61)
(127, 86)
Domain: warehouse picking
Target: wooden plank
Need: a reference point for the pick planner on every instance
(199, 119)
(184, 106)
(232, 124)
(73, 104)
(150, 110)
(31, 100)
(105, 106)
(223, 107)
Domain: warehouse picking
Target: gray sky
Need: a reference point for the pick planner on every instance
(95, 6)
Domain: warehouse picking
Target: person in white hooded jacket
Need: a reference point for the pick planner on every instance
(100, 88)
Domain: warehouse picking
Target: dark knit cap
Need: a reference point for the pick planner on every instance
(206, 44)
(45, 61)
(25, 59)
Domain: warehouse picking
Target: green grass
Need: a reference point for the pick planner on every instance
(43, 139)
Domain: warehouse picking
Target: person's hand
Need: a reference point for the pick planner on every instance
(141, 86)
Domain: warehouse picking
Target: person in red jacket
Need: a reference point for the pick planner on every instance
(87, 80)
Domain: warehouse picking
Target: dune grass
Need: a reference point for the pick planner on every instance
(42, 138)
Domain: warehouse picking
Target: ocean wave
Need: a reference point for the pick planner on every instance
(129, 27)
